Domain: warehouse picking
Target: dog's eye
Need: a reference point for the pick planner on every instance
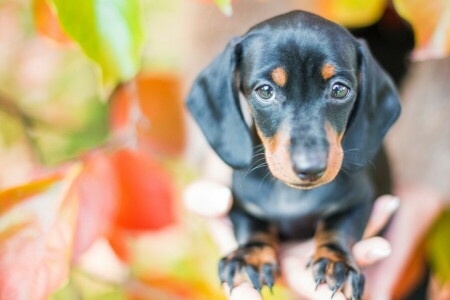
(339, 91)
(265, 92)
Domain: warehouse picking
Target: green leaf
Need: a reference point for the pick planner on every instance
(67, 292)
(225, 7)
(438, 246)
(109, 32)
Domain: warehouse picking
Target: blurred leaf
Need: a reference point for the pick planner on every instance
(70, 140)
(162, 132)
(67, 292)
(147, 195)
(185, 289)
(11, 130)
(88, 287)
(96, 186)
(438, 246)
(92, 132)
(15, 195)
(431, 23)
(47, 23)
(109, 32)
(34, 261)
(352, 13)
(225, 7)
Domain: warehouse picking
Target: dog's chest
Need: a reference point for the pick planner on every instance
(265, 197)
(268, 198)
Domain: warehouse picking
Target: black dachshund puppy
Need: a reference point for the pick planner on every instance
(319, 107)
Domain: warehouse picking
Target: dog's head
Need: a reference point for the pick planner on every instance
(318, 100)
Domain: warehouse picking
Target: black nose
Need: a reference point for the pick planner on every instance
(310, 169)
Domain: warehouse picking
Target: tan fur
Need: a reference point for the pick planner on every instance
(328, 71)
(279, 76)
(279, 160)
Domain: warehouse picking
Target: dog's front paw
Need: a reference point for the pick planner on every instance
(254, 262)
(338, 270)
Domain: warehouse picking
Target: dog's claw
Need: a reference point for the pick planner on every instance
(260, 270)
(319, 268)
(334, 270)
(253, 275)
(335, 280)
(233, 267)
(317, 285)
(222, 271)
(309, 263)
(333, 292)
(357, 282)
(268, 271)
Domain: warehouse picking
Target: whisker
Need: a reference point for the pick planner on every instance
(258, 148)
(354, 163)
(260, 184)
(255, 163)
(257, 154)
(343, 168)
(272, 180)
(257, 167)
(354, 149)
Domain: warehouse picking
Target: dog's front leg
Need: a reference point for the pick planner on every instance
(333, 261)
(255, 260)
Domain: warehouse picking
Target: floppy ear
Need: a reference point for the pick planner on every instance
(214, 104)
(376, 108)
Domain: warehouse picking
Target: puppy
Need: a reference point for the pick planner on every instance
(320, 106)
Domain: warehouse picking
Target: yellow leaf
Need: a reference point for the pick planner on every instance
(352, 13)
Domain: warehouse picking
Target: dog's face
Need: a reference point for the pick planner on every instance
(313, 92)
(300, 88)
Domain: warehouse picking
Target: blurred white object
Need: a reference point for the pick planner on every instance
(207, 198)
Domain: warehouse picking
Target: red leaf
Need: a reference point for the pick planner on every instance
(119, 240)
(146, 200)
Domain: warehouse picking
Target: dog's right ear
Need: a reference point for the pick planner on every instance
(214, 104)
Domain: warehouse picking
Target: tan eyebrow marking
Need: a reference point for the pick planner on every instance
(328, 71)
(279, 76)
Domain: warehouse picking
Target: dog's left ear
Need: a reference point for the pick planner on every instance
(377, 107)
(214, 104)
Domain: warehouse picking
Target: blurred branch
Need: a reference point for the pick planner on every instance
(28, 123)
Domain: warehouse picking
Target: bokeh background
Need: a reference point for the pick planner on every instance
(96, 147)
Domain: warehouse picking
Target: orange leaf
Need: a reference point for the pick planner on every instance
(431, 23)
(47, 23)
(34, 259)
(10, 197)
(162, 106)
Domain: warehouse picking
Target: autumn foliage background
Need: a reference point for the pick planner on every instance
(94, 148)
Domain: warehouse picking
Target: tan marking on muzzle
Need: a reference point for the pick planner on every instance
(279, 159)
(279, 76)
(335, 152)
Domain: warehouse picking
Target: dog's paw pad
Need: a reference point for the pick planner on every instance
(254, 262)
